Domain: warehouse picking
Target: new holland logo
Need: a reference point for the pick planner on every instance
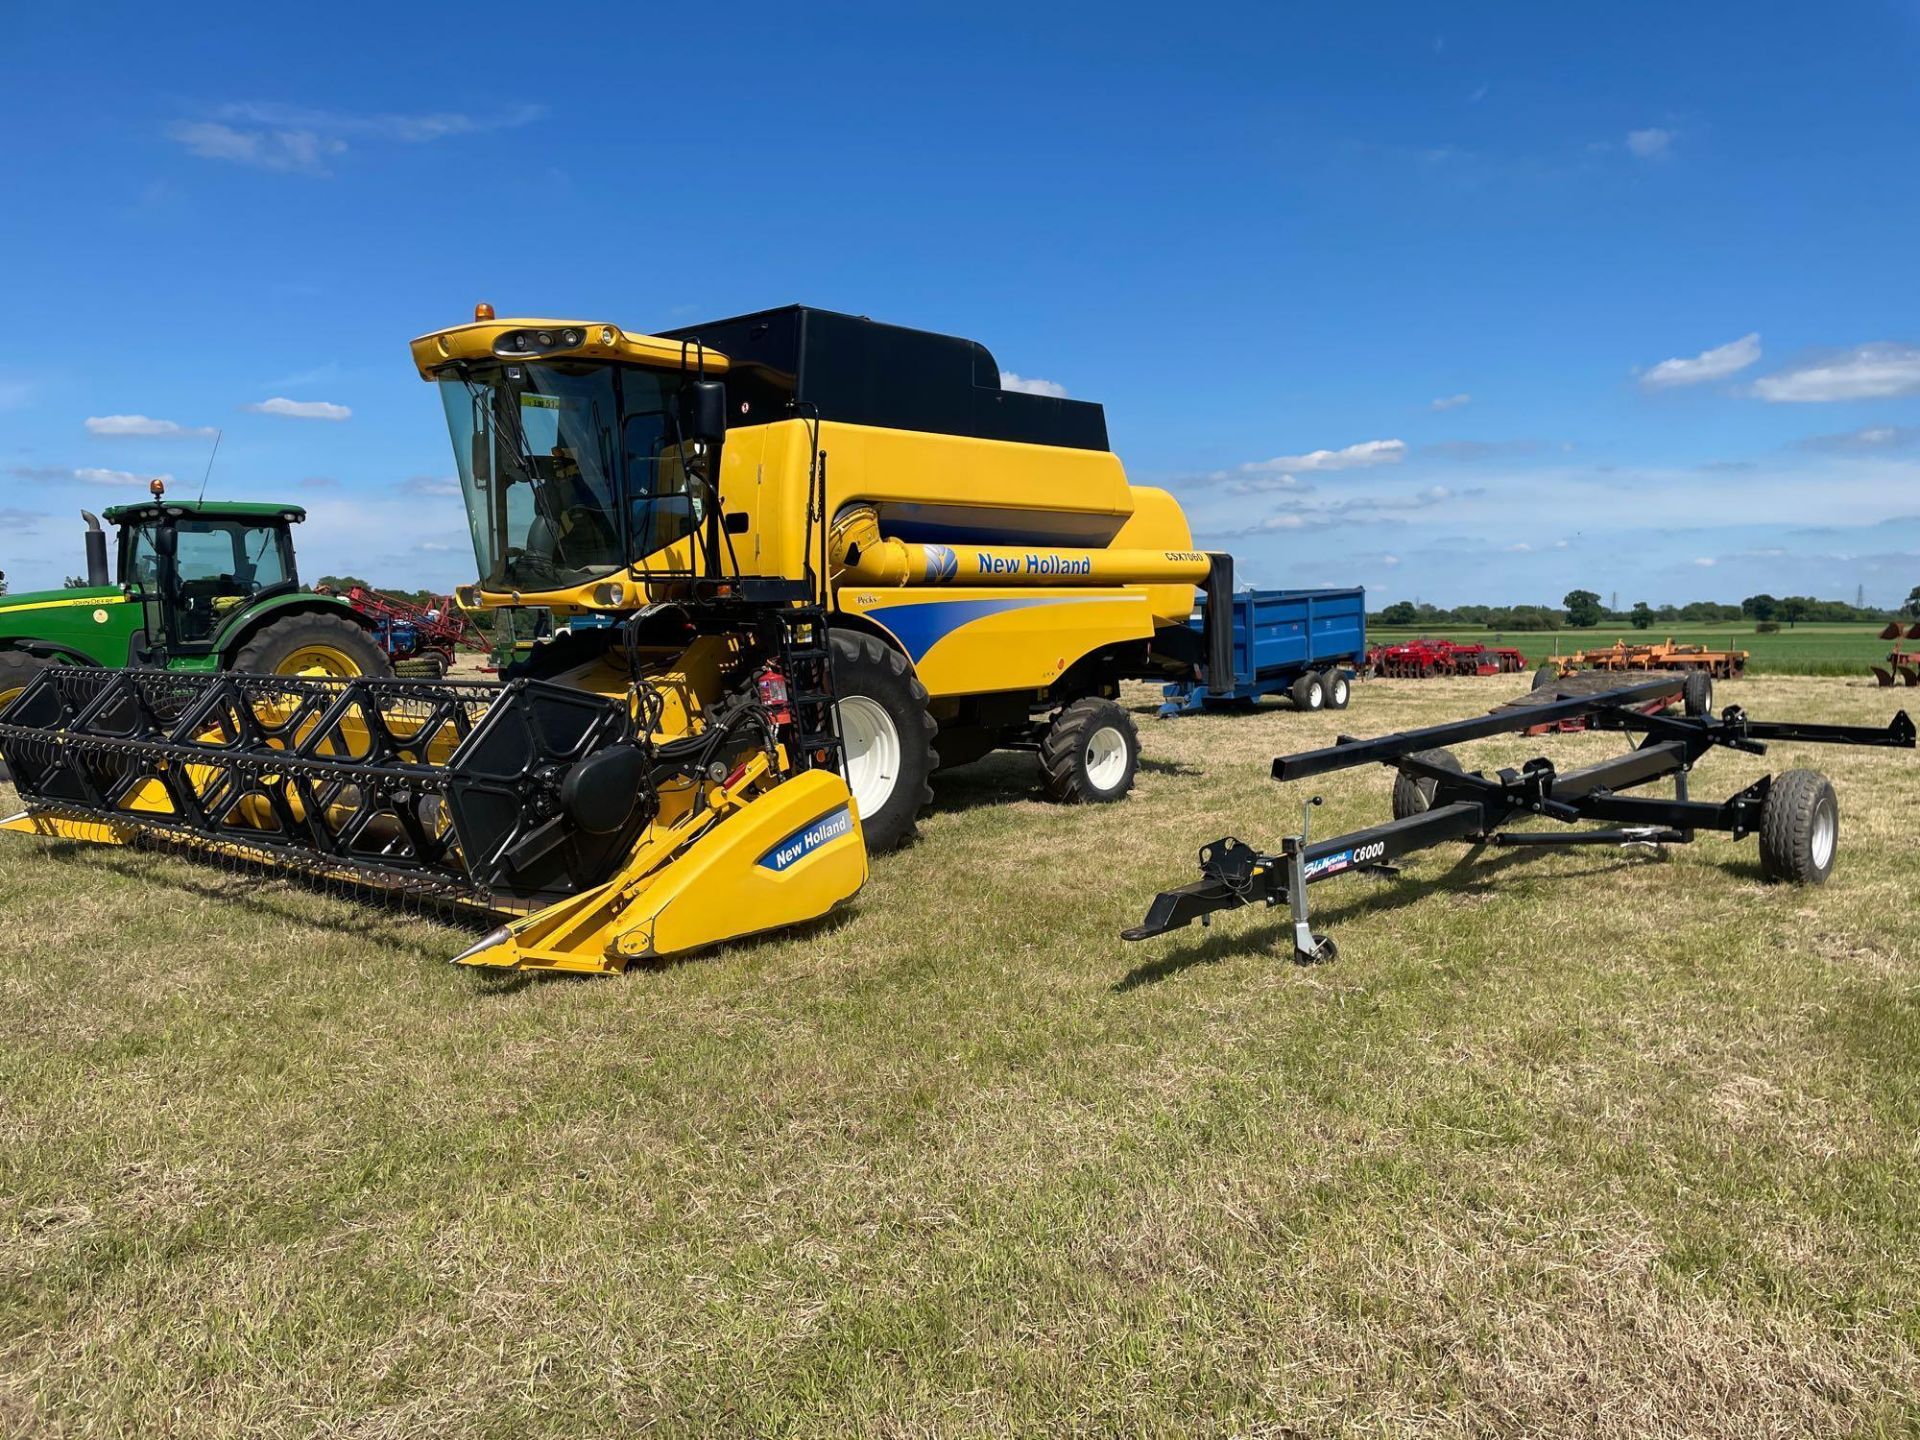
(802, 843)
(942, 563)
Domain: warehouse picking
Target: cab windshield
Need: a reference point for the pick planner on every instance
(569, 471)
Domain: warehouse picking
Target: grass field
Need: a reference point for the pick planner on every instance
(1838, 650)
(1587, 1144)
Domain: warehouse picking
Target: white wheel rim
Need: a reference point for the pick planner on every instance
(1316, 695)
(1339, 691)
(1106, 757)
(1825, 831)
(873, 752)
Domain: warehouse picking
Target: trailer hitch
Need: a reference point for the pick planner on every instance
(1476, 807)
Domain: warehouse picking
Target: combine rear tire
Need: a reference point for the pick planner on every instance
(1307, 693)
(1339, 690)
(1413, 795)
(888, 735)
(1089, 753)
(311, 645)
(1799, 828)
(1697, 693)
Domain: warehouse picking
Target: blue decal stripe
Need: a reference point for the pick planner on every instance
(924, 624)
(807, 839)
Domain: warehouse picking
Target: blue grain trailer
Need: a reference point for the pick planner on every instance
(1302, 642)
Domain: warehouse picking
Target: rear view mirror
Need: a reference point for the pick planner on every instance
(703, 412)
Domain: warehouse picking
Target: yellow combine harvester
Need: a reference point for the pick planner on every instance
(836, 555)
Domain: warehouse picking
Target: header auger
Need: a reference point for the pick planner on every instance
(1795, 815)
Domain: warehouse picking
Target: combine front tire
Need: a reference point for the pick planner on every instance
(1089, 753)
(888, 736)
(1799, 828)
(311, 645)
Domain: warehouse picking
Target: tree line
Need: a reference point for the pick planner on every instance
(1583, 610)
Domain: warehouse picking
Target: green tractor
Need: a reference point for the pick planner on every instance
(207, 585)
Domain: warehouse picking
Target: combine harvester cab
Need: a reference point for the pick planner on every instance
(797, 560)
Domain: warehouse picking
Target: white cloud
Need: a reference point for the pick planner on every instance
(1559, 544)
(296, 138)
(1352, 457)
(1866, 372)
(143, 426)
(1520, 547)
(1714, 364)
(1452, 402)
(1649, 144)
(1389, 560)
(298, 409)
(290, 150)
(1026, 386)
(1706, 562)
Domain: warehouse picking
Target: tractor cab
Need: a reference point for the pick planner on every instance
(193, 565)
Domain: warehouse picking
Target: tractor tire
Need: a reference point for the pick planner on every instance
(311, 645)
(1696, 696)
(1545, 676)
(17, 669)
(1089, 753)
(888, 736)
(1339, 689)
(1414, 796)
(1799, 828)
(1307, 692)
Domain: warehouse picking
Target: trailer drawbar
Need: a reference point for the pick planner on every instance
(1794, 814)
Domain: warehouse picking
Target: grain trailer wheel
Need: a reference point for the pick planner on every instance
(1308, 692)
(1339, 690)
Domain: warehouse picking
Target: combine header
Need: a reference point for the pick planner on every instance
(1903, 666)
(1795, 814)
(760, 659)
(1424, 659)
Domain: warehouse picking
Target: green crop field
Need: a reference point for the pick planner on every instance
(1803, 650)
(1588, 1144)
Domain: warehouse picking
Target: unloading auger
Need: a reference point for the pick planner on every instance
(1435, 800)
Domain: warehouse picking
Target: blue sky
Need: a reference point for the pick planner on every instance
(1463, 303)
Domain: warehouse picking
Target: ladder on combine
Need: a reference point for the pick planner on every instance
(806, 660)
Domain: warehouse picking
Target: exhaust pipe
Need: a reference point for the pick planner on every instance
(97, 573)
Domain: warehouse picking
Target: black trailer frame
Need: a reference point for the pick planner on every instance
(1476, 807)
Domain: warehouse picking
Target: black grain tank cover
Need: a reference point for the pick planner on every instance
(860, 372)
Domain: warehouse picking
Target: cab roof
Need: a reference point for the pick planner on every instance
(226, 509)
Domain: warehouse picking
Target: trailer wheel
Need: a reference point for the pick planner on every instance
(1546, 675)
(1307, 692)
(1089, 753)
(1697, 694)
(1339, 690)
(1799, 828)
(888, 736)
(1413, 795)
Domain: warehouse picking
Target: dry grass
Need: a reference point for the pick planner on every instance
(1585, 1144)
